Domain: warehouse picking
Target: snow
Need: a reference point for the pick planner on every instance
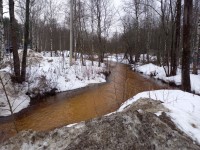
(69, 78)
(184, 109)
(117, 58)
(159, 73)
(45, 73)
(16, 94)
(143, 58)
(121, 59)
(151, 69)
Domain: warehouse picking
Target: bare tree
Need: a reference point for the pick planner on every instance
(103, 17)
(26, 39)
(174, 62)
(71, 30)
(196, 34)
(14, 41)
(1, 31)
(186, 86)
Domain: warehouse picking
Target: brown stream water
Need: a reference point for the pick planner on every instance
(83, 104)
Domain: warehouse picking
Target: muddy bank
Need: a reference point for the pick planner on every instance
(137, 127)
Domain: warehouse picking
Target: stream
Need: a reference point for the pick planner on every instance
(82, 104)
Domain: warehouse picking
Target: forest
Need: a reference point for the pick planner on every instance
(69, 61)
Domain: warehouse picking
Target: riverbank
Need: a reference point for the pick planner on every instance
(60, 110)
(158, 72)
(181, 109)
(46, 75)
(134, 125)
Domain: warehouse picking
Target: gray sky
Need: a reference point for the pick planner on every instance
(116, 22)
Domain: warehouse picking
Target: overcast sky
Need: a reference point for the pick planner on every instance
(116, 22)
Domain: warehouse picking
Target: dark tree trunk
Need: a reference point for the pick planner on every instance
(14, 41)
(26, 35)
(1, 31)
(197, 34)
(177, 38)
(186, 45)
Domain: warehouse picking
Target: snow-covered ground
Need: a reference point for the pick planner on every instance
(121, 59)
(50, 72)
(159, 73)
(45, 73)
(117, 58)
(184, 109)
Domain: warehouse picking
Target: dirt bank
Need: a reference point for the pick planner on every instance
(137, 127)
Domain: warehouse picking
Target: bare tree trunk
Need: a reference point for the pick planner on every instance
(148, 45)
(14, 41)
(1, 31)
(51, 42)
(98, 5)
(148, 26)
(26, 35)
(31, 33)
(131, 61)
(92, 26)
(195, 55)
(71, 31)
(137, 7)
(177, 38)
(186, 45)
(158, 54)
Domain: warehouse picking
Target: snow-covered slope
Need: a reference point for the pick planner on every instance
(44, 74)
(159, 73)
(184, 109)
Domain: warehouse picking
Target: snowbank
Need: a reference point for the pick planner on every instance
(16, 94)
(184, 109)
(117, 58)
(159, 73)
(121, 59)
(45, 74)
(129, 129)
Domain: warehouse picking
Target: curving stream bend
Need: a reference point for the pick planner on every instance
(83, 104)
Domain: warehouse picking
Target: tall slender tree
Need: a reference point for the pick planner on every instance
(174, 62)
(26, 39)
(1, 31)
(195, 54)
(195, 35)
(71, 31)
(14, 41)
(187, 16)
